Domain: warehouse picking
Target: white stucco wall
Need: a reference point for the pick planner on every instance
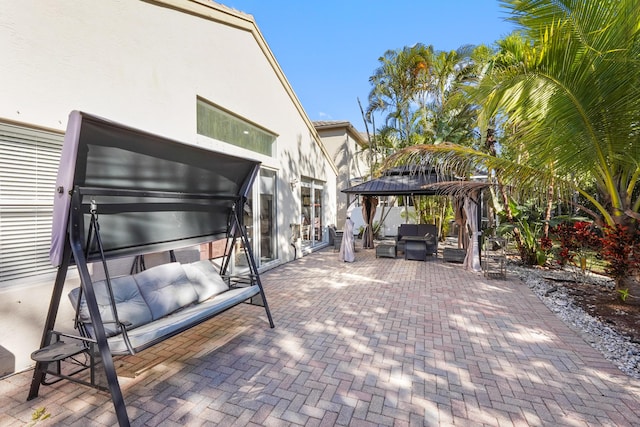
(144, 65)
(350, 161)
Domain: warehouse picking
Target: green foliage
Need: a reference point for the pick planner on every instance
(434, 210)
(396, 83)
(38, 415)
(563, 98)
(376, 229)
(409, 214)
(565, 91)
(530, 252)
(624, 294)
(430, 210)
(526, 220)
(423, 94)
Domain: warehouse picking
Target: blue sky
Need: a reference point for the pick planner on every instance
(329, 49)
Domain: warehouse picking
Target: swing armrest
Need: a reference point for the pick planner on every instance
(72, 336)
(125, 336)
(239, 281)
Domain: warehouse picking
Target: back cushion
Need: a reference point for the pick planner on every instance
(205, 279)
(408, 230)
(165, 288)
(131, 306)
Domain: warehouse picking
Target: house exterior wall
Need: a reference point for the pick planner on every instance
(144, 64)
(345, 148)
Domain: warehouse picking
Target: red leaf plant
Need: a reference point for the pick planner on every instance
(621, 251)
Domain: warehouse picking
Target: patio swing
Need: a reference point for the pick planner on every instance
(121, 194)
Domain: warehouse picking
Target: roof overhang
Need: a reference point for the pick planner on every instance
(346, 125)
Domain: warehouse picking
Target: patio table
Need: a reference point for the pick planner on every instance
(415, 247)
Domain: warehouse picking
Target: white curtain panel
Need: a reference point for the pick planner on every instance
(472, 259)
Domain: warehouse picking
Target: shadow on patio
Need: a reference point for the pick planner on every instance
(376, 342)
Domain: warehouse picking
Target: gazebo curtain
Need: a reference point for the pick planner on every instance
(472, 259)
(369, 204)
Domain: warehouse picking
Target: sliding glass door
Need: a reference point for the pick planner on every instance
(267, 224)
(311, 229)
(259, 218)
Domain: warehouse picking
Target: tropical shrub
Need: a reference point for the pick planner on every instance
(575, 240)
(621, 251)
(525, 221)
(618, 246)
(545, 246)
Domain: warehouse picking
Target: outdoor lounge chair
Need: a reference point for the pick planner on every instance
(418, 230)
(335, 236)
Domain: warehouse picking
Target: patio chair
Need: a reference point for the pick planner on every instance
(335, 236)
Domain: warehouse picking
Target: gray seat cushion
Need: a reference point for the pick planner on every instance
(165, 288)
(161, 301)
(180, 320)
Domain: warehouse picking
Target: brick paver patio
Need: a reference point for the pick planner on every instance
(377, 342)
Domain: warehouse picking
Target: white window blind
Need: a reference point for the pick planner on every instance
(28, 168)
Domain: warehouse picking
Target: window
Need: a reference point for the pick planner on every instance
(312, 212)
(268, 216)
(28, 169)
(226, 127)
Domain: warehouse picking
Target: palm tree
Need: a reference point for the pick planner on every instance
(574, 96)
(451, 115)
(397, 83)
(424, 94)
(570, 97)
(422, 91)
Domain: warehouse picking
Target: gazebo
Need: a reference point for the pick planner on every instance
(426, 181)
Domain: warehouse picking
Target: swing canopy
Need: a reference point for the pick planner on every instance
(152, 194)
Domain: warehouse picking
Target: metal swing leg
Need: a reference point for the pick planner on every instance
(39, 372)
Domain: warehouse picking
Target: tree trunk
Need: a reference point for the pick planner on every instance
(548, 210)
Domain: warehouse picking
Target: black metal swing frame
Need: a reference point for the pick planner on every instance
(199, 214)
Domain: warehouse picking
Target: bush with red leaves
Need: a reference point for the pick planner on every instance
(621, 251)
(574, 239)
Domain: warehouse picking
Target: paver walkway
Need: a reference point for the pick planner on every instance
(376, 342)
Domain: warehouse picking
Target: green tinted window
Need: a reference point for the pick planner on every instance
(223, 126)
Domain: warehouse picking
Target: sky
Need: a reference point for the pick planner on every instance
(328, 49)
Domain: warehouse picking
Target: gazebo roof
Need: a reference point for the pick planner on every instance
(407, 180)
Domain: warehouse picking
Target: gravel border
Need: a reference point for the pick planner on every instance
(617, 348)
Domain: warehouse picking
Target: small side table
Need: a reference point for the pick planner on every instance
(494, 260)
(387, 250)
(454, 254)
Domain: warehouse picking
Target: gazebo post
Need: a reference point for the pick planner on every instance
(480, 203)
